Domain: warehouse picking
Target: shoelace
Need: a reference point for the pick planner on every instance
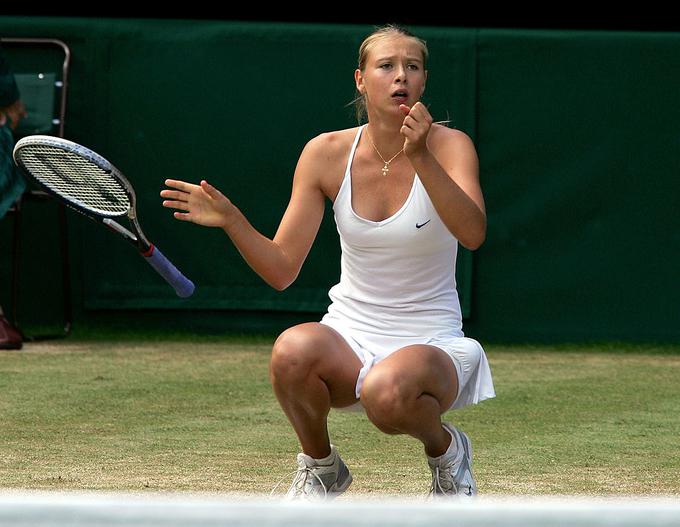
(299, 483)
(437, 488)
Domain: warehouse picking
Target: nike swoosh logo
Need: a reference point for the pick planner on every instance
(419, 225)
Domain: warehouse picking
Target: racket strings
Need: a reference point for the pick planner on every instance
(76, 179)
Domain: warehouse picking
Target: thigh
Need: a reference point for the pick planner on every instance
(419, 369)
(327, 354)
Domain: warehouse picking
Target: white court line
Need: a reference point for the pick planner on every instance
(51, 509)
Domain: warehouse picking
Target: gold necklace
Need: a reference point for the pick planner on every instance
(385, 169)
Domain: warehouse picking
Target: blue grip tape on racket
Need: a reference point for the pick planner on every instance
(182, 285)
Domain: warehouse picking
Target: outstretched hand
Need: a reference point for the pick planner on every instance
(416, 127)
(201, 204)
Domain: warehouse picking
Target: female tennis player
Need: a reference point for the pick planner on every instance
(405, 192)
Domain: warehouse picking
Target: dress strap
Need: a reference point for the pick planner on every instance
(353, 150)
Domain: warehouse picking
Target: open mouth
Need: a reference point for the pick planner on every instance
(400, 96)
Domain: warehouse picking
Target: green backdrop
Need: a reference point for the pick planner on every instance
(576, 131)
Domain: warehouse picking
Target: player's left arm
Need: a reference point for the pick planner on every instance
(447, 164)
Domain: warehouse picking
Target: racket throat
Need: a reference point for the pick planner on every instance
(120, 229)
(149, 251)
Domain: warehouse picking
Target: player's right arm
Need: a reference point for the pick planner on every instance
(278, 261)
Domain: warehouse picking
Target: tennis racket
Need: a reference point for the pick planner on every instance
(88, 183)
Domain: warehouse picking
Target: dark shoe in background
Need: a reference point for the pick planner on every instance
(10, 338)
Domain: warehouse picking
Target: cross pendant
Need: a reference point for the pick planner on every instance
(385, 170)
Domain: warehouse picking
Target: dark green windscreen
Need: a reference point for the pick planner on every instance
(576, 133)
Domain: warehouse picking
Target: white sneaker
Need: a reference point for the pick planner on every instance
(452, 471)
(315, 481)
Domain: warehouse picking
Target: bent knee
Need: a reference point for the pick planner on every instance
(295, 352)
(386, 396)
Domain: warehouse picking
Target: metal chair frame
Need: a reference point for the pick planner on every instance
(17, 209)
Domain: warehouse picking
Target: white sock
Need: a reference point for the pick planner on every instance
(328, 460)
(453, 449)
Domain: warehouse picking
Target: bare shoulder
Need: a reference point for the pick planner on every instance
(455, 152)
(330, 146)
(443, 138)
(324, 157)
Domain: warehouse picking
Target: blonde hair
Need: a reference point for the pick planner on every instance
(381, 33)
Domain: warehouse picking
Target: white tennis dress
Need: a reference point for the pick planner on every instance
(398, 287)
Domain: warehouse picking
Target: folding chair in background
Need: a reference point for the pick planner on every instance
(41, 68)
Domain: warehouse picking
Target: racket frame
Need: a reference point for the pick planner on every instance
(154, 257)
(136, 236)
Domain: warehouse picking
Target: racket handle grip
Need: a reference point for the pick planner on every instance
(182, 285)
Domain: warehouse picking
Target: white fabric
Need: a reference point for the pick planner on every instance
(397, 287)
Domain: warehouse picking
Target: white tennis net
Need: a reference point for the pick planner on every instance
(41, 509)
